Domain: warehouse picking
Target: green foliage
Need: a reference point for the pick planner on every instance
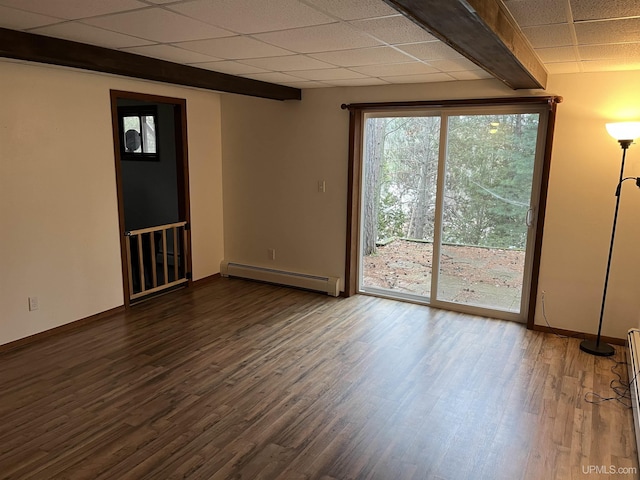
(391, 218)
(488, 177)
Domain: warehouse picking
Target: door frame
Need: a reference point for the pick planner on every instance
(356, 135)
(182, 173)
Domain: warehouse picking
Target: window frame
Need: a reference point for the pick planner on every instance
(140, 112)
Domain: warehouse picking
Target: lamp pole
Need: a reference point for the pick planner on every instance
(598, 347)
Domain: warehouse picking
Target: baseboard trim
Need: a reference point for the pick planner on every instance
(580, 335)
(37, 337)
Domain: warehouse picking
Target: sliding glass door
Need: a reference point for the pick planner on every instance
(448, 205)
(399, 194)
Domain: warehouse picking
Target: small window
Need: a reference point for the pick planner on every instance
(138, 133)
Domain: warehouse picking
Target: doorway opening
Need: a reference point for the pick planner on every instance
(150, 146)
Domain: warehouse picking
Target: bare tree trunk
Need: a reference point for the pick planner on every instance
(374, 151)
(419, 215)
(421, 224)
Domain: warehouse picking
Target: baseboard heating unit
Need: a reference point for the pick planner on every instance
(633, 354)
(329, 285)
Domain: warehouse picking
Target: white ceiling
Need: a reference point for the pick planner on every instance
(321, 43)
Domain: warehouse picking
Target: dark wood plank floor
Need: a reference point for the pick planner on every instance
(241, 380)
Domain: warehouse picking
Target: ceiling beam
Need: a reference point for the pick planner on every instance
(483, 31)
(38, 48)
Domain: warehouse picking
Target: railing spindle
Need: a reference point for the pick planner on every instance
(141, 263)
(153, 259)
(185, 254)
(175, 253)
(164, 256)
(129, 268)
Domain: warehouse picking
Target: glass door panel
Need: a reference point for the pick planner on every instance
(489, 169)
(399, 188)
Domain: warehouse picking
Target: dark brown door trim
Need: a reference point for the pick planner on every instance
(356, 117)
(182, 169)
(542, 209)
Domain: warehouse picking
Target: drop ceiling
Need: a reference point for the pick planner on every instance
(323, 43)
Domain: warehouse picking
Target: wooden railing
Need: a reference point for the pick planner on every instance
(157, 258)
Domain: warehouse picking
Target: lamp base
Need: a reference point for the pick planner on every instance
(602, 350)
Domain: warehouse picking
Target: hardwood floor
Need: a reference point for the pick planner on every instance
(241, 380)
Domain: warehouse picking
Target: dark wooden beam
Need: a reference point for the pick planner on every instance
(483, 31)
(38, 48)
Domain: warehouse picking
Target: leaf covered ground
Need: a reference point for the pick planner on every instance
(476, 275)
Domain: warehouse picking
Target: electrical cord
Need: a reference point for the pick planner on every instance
(620, 387)
(622, 390)
(553, 330)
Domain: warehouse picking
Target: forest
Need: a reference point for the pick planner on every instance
(488, 168)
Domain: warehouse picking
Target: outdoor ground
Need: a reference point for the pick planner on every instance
(471, 275)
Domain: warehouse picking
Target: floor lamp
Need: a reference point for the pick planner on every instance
(625, 133)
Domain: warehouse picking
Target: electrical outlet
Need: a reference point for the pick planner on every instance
(272, 253)
(33, 303)
(322, 186)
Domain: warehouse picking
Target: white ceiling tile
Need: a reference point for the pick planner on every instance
(328, 74)
(363, 56)
(73, 9)
(234, 48)
(624, 51)
(396, 69)
(359, 82)
(321, 38)
(250, 16)
(557, 54)
(434, 50)
(288, 63)
(171, 54)
(470, 75)
(230, 67)
(454, 65)
(394, 30)
(544, 36)
(158, 25)
(598, 9)
(354, 9)
(304, 84)
(608, 31)
(274, 77)
(563, 67)
(422, 78)
(538, 12)
(19, 19)
(610, 65)
(79, 32)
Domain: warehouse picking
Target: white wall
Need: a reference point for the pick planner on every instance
(58, 207)
(581, 202)
(274, 154)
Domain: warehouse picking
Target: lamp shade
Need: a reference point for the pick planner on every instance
(624, 130)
